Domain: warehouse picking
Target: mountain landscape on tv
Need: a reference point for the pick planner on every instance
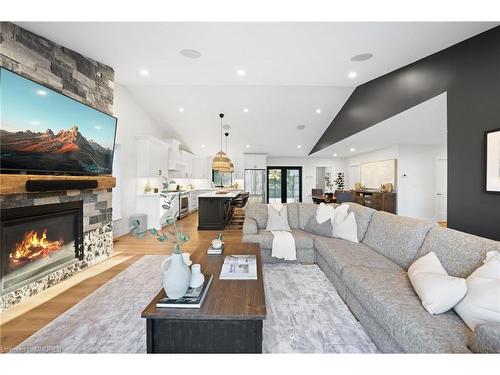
(64, 151)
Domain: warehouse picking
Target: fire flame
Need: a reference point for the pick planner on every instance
(33, 247)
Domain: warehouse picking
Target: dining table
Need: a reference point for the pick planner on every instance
(324, 199)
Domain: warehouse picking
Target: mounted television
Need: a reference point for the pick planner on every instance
(45, 132)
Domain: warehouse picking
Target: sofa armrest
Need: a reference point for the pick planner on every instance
(486, 338)
(250, 226)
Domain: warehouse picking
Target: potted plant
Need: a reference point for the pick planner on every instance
(176, 273)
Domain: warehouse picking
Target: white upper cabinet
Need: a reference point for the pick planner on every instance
(202, 167)
(255, 161)
(152, 157)
(188, 159)
(239, 167)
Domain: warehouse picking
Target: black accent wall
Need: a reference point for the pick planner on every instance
(470, 74)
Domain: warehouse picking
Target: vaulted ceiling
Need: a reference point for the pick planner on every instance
(292, 70)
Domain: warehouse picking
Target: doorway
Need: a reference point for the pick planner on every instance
(284, 184)
(441, 188)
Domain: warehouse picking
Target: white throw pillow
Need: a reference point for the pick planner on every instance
(324, 213)
(344, 224)
(277, 219)
(437, 291)
(482, 301)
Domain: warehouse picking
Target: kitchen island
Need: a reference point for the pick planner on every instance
(212, 209)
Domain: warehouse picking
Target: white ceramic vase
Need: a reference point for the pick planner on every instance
(176, 276)
(197, 278)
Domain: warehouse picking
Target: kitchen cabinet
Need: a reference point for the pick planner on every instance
(151, 205)
(202, 167)
(152, 157)
(239, 168)
(255, 161)
(188, 159)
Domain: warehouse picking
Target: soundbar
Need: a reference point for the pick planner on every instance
(58, 185)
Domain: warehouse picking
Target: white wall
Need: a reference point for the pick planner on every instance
(415, 183)
(309, 165)
(132, 121)
(416, 180)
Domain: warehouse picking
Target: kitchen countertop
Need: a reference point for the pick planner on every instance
(213, 194)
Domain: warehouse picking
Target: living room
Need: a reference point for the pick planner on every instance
(280, 186)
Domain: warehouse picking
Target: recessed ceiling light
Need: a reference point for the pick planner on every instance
(97, 127)
(362, 57)
(301, 127)
(318, 110)
(245, 110)
(247, 146)
(144, 72)
(181, 109)
(241, 73)
(335, 155)
(299, 146)
(227, 126)
(202, 146)
(190, 53)
(41, 92)
(352, 75)
(352, 149)
(35, 122)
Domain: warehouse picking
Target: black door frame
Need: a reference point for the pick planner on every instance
(283, 181)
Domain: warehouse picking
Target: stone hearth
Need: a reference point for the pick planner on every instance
(97, 228)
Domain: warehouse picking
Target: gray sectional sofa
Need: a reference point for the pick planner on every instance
(371, 276)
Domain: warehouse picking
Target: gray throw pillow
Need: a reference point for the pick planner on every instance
(323, 229)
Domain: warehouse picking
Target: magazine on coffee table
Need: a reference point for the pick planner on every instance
(193, 299)
(239, 267)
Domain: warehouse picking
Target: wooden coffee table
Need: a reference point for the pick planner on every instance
(229, 321)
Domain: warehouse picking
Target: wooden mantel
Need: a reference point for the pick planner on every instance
(16, 183)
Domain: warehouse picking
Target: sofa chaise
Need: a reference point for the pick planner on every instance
(371, 276)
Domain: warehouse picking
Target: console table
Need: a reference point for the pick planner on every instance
(376, 200)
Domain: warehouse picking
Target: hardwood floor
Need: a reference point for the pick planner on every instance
(23, 320)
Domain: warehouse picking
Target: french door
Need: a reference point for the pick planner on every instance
(284, 184)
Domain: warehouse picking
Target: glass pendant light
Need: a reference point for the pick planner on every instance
(231, 165)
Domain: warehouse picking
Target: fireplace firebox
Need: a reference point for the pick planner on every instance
(38, 240)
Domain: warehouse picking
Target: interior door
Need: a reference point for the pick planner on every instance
(441, 187)
(284, 184)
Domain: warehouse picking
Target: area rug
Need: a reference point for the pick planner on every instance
(304, 315)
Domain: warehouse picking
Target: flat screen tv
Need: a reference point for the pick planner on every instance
(43, 131)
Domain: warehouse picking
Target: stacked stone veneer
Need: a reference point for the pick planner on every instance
(57, 67)
(89, 82)
(97, 241)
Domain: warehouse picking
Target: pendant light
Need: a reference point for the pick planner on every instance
(221, 162)
(231, 165)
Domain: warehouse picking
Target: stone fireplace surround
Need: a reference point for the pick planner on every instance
(97, 233)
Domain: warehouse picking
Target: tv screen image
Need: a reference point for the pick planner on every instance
(44, 131)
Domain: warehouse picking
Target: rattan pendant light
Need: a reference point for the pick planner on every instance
(221, 162)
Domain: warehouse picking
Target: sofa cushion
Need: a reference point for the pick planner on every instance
(277, 218)
(460, 253)
(265, 239)
(293, 215)
(396, 237)
(363, 216)
(250, 226)
(341, 253)
(258, 212)
(486, 338)
(389, 298)
(306, 210)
